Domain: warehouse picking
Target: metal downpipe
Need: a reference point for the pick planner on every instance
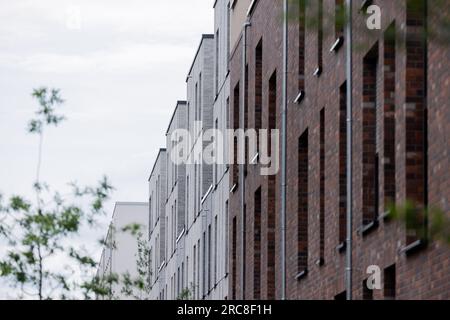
(242, 146)
(283, 150)
(349, 267)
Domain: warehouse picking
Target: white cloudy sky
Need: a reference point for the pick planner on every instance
(121, 66)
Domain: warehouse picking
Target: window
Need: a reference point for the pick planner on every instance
(301, 45)
(318, 71)
(389, 283)
(177, 222)
(166, 239)
(196, 102)
(199, 187)
(236, 96)
(188, 115)
(228, 113)
(271, 195)
(158, 254)
(178, 281)
(389, 115)
(186, 285)
(217, 63)
(341, 296)
(244, 245)
(226, 238)
(198, 269)
(187, 201)
(342, 166)
(215, 250)
(158, 212)
(175, 165)
(416, 130)
(258, 89)
(233, 260)
(195, 272)
(302, 214)
(150, 216)
(369, 137)
(173, 236)
(257, 246)
(204, 264)
(272, 112)
(182, 277)
(153, 213)
(209, 258)
(200, 94)
(322, 189)
(150, 267)
(246, 123)
(339, 22)
(367, 293)
(339, 18)
(216, 152)
(195, 189)
(228, 35)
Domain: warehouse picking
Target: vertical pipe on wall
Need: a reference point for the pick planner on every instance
(348, 269)
(242, 152)
(283, 150)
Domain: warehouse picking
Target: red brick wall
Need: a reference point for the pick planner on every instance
(400, 79)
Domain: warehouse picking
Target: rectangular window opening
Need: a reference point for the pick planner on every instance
(389, 283)
(257, 246)
(342, 166)
(369, 138)
(302, 214)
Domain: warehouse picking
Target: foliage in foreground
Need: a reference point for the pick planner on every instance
(41, 259)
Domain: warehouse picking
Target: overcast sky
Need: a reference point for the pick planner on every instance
(120, 64)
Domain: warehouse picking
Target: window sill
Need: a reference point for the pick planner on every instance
(300, 97)
(413, 247)
(320, 262)
(255, 159)
(341, 247)
(385, 216)
(368, 228)
(317, 72)
(206, 194)
(181, 234)
(337, 44)
(301, 274)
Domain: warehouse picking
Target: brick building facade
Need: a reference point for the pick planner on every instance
(215, 230)
(401, 123)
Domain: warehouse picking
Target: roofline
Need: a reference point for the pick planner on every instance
(183, 102)
(130, 203)
(204, 36)
(161, 150)
(125, 203)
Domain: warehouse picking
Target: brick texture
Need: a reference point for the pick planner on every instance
(409, 129)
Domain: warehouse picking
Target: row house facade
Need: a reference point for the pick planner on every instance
(216, 231)
(193, 226)
(400, 123)
(158, 249)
